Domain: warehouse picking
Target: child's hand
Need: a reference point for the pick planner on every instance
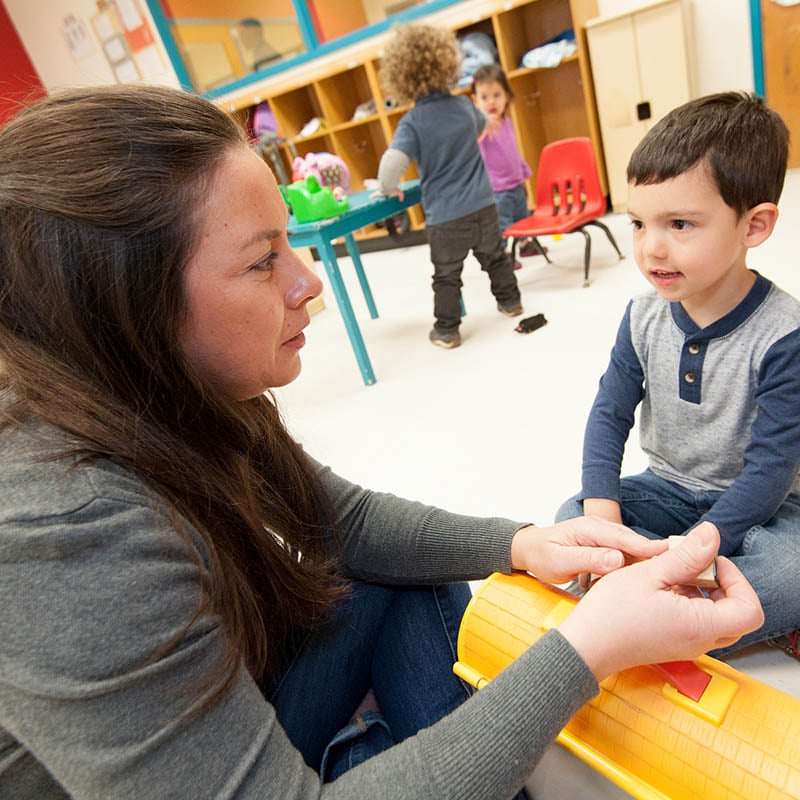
(398, 193)
(603, 508)
(492, 126)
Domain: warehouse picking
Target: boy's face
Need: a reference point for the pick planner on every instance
(689, 244)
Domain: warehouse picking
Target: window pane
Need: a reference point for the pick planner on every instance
(222, 40)
(332, 18)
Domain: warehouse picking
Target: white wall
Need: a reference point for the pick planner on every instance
(40, 24)
(723, 49)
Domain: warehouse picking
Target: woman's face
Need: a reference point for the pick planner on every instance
(245, 290)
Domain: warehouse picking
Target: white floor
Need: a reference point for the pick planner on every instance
(495, 426)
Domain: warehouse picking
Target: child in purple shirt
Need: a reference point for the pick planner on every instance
(507, 169)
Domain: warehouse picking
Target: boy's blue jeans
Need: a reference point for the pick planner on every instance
(769, 556)
(399, 641)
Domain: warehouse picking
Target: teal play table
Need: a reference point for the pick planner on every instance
(364, 210)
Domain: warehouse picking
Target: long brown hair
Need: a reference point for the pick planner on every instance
(100, 197)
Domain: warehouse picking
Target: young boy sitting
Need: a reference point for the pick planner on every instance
(711, 353)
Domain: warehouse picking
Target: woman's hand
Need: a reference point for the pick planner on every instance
(648, 612)
(601, 508)
(582, 545)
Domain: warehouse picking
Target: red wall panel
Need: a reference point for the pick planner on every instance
(19, 82)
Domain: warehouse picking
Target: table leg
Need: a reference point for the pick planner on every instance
(352, 249)
(343, 301)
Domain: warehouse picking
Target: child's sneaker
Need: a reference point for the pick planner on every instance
(446, 339)
(530, 247)
(512, 309)
(790, 642)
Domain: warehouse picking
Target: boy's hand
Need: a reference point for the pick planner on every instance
(603, 508)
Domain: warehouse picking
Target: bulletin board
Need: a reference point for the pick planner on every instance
(127, 41)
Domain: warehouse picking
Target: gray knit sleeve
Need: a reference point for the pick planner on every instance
(391, 168)
(98, 700)
(393, 540)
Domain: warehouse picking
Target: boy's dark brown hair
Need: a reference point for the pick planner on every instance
(744, 143)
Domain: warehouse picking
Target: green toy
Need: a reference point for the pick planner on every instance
(309, 201)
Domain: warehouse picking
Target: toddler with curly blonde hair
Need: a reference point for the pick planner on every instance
(421, 64)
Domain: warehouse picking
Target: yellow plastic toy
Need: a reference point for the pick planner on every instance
(738, 738)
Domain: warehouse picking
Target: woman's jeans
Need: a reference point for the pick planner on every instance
(769, 556)
(398, 641)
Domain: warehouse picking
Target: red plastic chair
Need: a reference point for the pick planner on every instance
(568, 197)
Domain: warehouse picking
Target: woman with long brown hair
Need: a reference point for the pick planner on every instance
(194, 607)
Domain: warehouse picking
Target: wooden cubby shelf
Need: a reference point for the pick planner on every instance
(550, 103)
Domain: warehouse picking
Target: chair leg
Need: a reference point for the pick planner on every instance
(543, 250)
(611, 239)
(587, 254)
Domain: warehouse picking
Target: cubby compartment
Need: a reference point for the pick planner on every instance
(563, 113)
(321, 143)
(481, 26)
(526, 114)
(361, 147)
(341, 94)
(527, 26)
(294, 109)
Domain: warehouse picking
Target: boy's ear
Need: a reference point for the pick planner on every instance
(760, 223)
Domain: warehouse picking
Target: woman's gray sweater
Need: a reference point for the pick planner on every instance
(94, 581)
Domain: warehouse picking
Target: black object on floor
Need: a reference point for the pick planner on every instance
(530, 324)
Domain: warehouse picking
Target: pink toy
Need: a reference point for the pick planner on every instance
(328, 169)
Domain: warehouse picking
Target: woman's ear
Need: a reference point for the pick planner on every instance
(761, 221)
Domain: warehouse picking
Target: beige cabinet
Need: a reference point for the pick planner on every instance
(550, 103)
(641, 70)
